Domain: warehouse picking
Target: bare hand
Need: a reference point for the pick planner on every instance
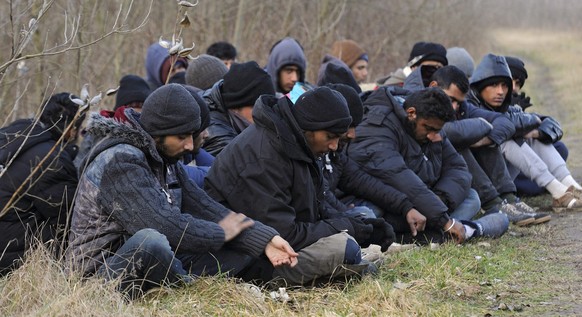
(233, 224)
(485, 141)
(457, 231)
(416, 221)
(533, 134)
(280, 252)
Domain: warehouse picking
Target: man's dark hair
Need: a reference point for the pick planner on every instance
(431, 103)
(58, 112)
(445, 76)
(222, 50)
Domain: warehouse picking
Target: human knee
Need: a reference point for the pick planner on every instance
(353, 253)
(150, 240)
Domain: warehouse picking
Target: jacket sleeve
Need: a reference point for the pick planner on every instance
(455, 178)
(130, 193)
(196, 201)
(503, 128)
(353, 180)
(465, 132)
(377, 150)
(524, 122)
(268, 189)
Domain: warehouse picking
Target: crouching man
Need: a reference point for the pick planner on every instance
(139, 218)
(270, 172)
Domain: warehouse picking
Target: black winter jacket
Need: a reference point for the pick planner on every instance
(43, 205)
(461, 133)
(220, 130)
(433, 176)
(269, 173)
(348, 177)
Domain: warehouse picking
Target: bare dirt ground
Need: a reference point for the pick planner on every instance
(565, 253)
(553, 84)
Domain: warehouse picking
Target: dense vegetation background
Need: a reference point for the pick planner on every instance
(38, 54)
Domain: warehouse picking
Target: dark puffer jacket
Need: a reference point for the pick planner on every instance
(269, 173)
(43, 205)
(346, 176)
(126, 186)
(433, 176)
(472, 123)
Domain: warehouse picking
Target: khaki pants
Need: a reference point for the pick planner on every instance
(324, 258)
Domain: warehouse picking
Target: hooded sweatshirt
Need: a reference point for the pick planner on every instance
(155, 58)
(286, 52)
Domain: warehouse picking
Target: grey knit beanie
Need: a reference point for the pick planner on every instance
(170, 110)
(204, 71)
(459, 57)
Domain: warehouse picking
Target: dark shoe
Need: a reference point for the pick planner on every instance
(517, 217)
(539, 217)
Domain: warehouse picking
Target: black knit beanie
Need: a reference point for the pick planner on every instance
(204, 110)
(429, 52)
(354, 102)
(244, 83)
(132, 88)
(170, 110)
(322, 109)
(334, 73)
(517, 68)
(178, 78)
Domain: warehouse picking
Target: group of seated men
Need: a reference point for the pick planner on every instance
(211, 166)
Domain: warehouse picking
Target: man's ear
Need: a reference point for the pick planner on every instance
(411, 113)
(433, 84)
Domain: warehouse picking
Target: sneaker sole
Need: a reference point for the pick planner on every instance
(524, 222)
(566, 209)
(542, 220)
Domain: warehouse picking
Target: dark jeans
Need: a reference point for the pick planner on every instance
(526, 187)
(480, 181)
(492, 163)
(146, 260)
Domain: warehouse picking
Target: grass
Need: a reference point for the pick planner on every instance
(470, 280)
(526, 272)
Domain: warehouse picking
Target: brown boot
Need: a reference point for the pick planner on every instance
(568, 202)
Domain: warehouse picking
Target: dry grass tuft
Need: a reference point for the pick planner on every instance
(41, 287)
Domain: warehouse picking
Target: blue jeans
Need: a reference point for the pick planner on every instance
(468, 208)
(145, 261)
(363, 206)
